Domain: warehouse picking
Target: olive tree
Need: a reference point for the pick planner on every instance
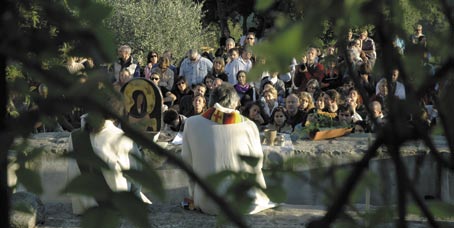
(158, 25)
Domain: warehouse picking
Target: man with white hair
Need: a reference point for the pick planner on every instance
(215, 140)
(195, 67)
(125, 61)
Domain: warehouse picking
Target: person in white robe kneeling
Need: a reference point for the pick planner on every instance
(214, 141)
(109, 143)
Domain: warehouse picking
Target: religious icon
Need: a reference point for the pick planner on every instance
(143, 104)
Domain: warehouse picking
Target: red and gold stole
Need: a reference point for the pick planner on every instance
(220, 117)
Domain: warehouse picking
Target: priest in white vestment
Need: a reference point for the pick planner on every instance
(213, 142)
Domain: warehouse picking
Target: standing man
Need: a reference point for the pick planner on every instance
(125, 61)
(213, 142)
(195, 67)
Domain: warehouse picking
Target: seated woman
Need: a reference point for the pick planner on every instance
(152, 61)
(167, 75)
(306, 105)
(278, 121)
(355, 102)
(167, 97)
(320, 102)
(180, 89)
(322, 106)
(313, 87)
(209, 83)
(254, 111)
(245, 91)
(277, 83)
(123, 77)
(219, 69)
(199, 105)
(269, 100)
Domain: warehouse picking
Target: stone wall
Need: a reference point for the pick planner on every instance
(303, 184)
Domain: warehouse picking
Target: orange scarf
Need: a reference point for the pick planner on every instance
(220, 117)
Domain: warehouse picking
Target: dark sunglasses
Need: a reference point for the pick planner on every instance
(154, 79)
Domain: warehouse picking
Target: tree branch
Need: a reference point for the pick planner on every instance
(349, 185)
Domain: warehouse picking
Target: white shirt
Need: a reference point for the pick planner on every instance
(232, 68)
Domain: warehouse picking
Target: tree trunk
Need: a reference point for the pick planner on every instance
(5, 12)
(4, 193)
(245, 23)
(222, 14)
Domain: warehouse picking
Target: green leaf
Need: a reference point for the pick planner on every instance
(263, 4)
(96, 12)
(250, 160)
(97, 217)
(276, 194)
(30, 179)
(90, 185)
(149, 179)
(88, 159)
(218, 178)
(136, 210)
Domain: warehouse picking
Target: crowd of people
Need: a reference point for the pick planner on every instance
(221, 113)
(318, 86)
(319, 83)
(210, 99)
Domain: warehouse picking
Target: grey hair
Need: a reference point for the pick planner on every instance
(126, 48)
(193, 52)
(225, 95)
(229, 40)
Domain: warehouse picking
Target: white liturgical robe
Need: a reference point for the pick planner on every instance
(114, 148)
(210, 147)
